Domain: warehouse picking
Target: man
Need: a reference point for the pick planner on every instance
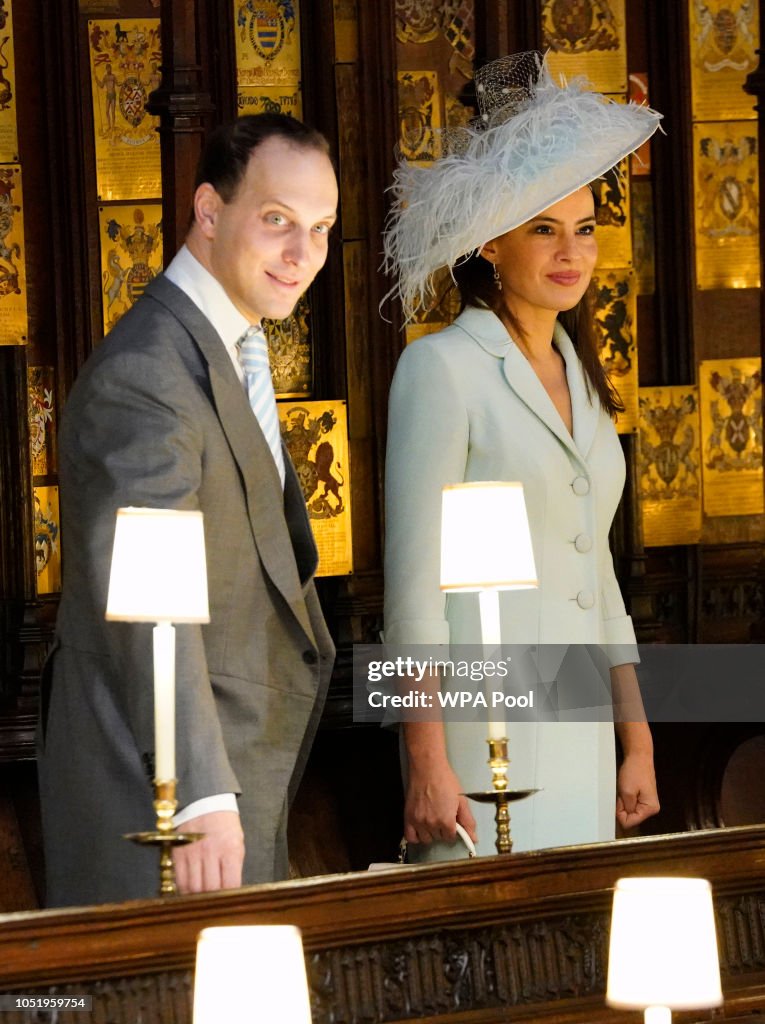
(160, 417)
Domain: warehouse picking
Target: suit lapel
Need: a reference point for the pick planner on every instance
(262, 486)
(490, 333)
(298, 523)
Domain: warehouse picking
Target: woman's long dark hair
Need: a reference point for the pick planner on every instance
(474, 279)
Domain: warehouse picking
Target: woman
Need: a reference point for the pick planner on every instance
(513, 390)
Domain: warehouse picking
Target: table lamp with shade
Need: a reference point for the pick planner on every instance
(159, 574)
(486, 547)
(663, 947)
(251, 973)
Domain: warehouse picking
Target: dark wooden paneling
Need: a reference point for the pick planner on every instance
(16, 567)
(217, 55)
(48, 130)
(520, 938)
(377, 110)
(666, 36)
(16, 889)
(64, 120)
(506, 26)
(21, 870)
(351, 159)
(184, 108)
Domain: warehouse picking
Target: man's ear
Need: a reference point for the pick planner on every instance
(206, 205)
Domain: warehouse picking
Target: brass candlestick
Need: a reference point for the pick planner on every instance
(500, 795)
(165, 836)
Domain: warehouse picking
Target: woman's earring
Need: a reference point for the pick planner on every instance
(497, 279)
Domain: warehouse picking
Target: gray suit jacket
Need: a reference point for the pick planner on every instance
(158, 418)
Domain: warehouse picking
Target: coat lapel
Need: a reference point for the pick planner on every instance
(488, 330)
(262, 486)
(585, 405)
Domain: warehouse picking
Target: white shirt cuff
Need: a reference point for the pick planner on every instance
(207, 805)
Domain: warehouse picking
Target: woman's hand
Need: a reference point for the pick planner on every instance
(433, 802)
(637, 798)
(434, 805)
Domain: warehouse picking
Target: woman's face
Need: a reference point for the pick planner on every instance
(546, 263)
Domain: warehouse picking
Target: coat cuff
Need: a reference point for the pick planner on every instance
(621, 646)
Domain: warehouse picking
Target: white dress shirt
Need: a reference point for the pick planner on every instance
(208, 295)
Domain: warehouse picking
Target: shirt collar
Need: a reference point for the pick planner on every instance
(208, 294)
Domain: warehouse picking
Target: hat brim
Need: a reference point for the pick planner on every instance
(503, 176)
(552, 190)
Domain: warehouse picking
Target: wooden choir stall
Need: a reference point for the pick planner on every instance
(515, 938)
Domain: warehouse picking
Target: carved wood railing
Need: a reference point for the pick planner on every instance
(521, 938)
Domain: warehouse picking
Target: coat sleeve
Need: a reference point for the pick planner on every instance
(621, 646)
(133, 439)
(428, 439)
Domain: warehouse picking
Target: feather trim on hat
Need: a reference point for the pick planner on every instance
(558, 140)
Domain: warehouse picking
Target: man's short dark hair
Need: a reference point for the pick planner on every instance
(229, 147)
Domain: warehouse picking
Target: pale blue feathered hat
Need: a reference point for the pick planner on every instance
(534, 143)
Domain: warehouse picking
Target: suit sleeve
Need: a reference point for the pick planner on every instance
(135, 440)
(428, 438)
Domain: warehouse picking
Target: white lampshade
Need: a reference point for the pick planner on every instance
(159, 573)
(252, 973)
(663, 949)
(485, 538)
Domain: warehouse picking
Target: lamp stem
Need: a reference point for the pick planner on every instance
(491, 637)
(657, 1015)
(164, 701)
(491, 632)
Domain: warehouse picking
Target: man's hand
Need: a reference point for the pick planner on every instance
(214, 862)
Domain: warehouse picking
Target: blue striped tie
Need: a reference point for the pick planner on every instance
(253, 356)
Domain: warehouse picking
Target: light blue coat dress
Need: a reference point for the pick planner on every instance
(466, 405)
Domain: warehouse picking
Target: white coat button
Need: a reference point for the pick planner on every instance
(585, 599)
(581, 486)
(583, 544)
